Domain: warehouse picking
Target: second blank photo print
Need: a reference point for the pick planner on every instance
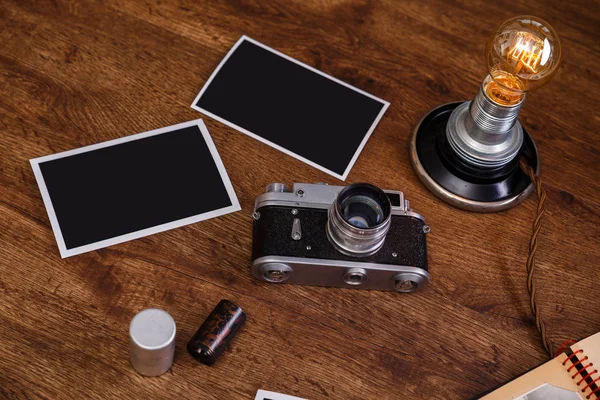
(291, 106)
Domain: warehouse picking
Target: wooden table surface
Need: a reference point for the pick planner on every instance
(74, 73)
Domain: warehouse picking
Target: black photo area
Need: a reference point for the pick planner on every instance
(291, 106)
(127, 187)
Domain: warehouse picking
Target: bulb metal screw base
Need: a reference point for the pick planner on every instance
(462, 184)
(483, 133)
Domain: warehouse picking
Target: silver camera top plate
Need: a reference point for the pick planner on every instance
(318, 195)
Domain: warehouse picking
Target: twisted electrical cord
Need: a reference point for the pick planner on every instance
(537, 225)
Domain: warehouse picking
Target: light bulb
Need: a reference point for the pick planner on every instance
(523, 54)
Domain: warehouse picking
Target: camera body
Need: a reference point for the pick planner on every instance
(309, 236)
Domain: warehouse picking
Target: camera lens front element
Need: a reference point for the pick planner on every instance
(362, 211)
(359, 219)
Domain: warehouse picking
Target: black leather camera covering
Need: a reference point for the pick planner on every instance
(272, 237)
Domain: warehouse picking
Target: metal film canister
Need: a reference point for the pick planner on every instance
(216, 332)
(152, 342)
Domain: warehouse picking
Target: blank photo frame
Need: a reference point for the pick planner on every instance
(131, 187)
(291, 106)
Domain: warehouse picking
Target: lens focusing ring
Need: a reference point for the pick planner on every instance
(352, 240)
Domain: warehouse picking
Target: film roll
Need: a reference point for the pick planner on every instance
(217, 331)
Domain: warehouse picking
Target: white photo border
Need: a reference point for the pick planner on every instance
(64, 252)
(280, 148)
(266, 395)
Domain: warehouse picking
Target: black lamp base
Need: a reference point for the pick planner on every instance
(459, 184)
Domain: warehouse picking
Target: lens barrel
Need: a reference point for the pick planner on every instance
(359, 219)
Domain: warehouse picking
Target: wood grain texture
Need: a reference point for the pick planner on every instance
(74, 73)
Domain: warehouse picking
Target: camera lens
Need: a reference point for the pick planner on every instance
(359, 219)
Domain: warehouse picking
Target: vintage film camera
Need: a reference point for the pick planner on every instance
(357, 236)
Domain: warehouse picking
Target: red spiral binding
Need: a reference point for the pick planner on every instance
(590, 375)
(564, 346)
(573, 366)
(571, 356)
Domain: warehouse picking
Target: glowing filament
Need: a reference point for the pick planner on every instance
(526, 53)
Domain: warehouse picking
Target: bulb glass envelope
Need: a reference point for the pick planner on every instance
(523, 54)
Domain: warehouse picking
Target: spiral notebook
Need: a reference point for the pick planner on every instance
(572, 375)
